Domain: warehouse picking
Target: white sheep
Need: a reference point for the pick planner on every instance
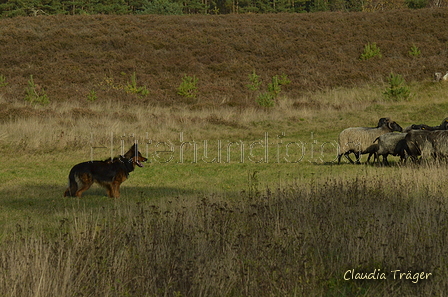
(438, 76)
(358, 140)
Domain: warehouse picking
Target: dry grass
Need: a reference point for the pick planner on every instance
(298, 240)
(215, 229)
(73, 125)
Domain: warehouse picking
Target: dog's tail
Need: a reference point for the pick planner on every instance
(72, 185)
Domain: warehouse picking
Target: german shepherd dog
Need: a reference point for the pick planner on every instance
(109, 173)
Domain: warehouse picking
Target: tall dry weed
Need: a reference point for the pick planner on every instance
(300, 239)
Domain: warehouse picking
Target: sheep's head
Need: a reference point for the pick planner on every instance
(387, 122)
(444, 124)
(393, 126)
(383, 121)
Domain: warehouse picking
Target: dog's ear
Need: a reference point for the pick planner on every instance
(133, 151)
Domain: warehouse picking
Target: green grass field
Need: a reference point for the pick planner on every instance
(253, 225)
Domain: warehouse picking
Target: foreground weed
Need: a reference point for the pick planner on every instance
(254, 184)
(309, 237)
(34, 94)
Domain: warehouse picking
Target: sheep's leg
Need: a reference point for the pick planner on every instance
(358, 157)
(375, 157)
(339, 158)
(347, 155)
(385, 162)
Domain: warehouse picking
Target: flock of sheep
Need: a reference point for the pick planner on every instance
(388, 138)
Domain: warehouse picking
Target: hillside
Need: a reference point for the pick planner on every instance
(71, 57)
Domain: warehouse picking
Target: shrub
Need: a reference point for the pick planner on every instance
(267, 99)
(255, 82)
(397, 89)
(3, 82)
(34, 94)
(416, 4)
(187, 87)
(132, 88)
(92, 96)
(414, 51)
(371, 51)
(275, 86)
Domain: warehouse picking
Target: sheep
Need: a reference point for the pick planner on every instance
(439, 144)
(420, 127)
(390, 144)
(417, 142)
(427, 143)
(358, 140)
(438, 76)
(372, 151)
(442, 126)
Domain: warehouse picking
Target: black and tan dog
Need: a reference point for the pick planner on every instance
(109, 173)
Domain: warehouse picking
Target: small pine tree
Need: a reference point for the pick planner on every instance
(371, 50)
(34, 94)
(397, 89)
(187, 87)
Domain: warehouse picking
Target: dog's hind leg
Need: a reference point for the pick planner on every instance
(86, 181)
(72, 186)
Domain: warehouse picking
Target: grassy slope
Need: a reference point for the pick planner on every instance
(71, 56)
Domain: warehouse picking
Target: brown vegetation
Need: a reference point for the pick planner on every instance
(71, 56)
(300, 241)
